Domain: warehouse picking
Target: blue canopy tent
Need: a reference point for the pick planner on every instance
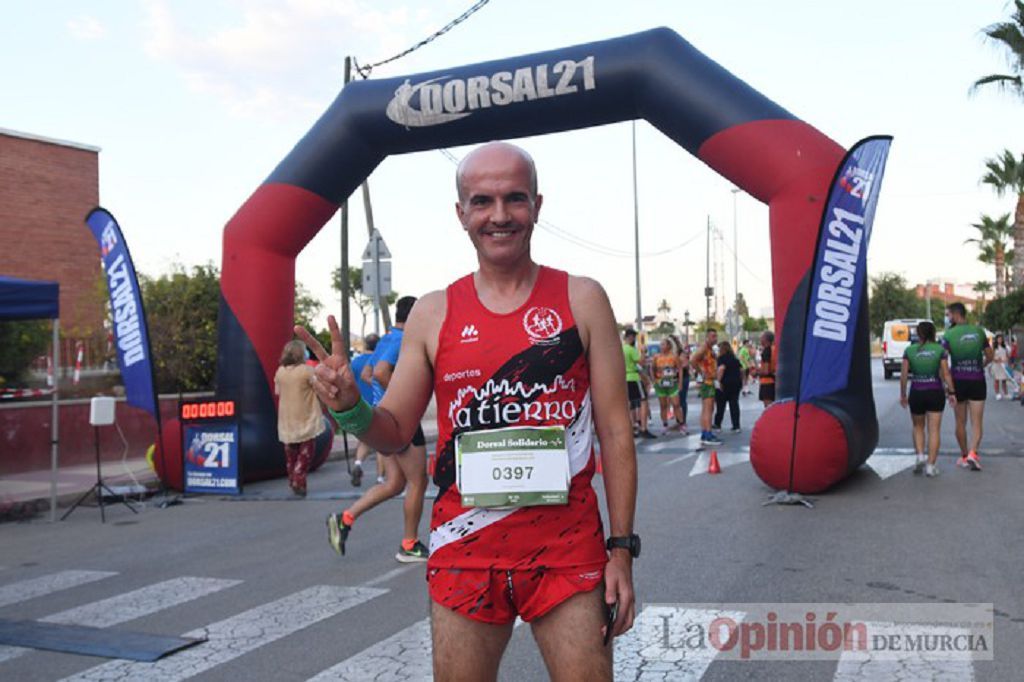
(22, 299)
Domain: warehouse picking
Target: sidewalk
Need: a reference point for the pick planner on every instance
(26, 494)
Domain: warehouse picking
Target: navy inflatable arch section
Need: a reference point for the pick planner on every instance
(654, 75)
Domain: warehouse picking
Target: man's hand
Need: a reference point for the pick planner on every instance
(334, 382)
(618, 587)
(903, 401)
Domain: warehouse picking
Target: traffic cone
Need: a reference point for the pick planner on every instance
(713, 467)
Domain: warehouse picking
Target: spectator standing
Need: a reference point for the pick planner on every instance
(299, 415)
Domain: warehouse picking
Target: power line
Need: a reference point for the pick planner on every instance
(561, 233)
(364, 71)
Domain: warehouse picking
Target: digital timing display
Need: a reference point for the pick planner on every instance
(209, 409)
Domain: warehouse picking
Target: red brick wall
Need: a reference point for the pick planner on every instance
(45, 191)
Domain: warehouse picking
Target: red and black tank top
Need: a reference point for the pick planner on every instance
(523, 368)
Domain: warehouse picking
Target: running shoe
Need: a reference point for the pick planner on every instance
(710, 439)
(417, 554)
(647, 434)
(380, 479)
(357, 475)
(962, 462)
(973, 462)
(736, 430)
(337, 533)
(931, 470)
(919, 464)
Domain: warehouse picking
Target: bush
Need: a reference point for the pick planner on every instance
(21, 342)
(1005, 313)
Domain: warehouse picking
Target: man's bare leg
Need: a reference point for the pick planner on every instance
(934, 428)
(393, 485)
(960, 412)
(570, 639)
(413, 465)
(464, 649)
(977, 410)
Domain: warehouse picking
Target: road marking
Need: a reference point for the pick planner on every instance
(655, 648)
(725, 459)
(676, 460)
(912, 665)
(228, 639)
(890, 465)
(37, 587)
(384, 577)
(405, 655)
(130, 605)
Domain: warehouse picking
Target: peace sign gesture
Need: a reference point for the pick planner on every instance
(334, 382)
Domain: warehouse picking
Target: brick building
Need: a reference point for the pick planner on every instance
(46, 188)
(943, 293)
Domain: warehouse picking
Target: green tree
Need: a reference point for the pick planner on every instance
(755, 324)
(741, 307)
(1010, 36)
(363, 301)
(307, 307)
(983, 288)
(891, 298)
(1006, 312)
(1006, 176)
(181, 311)
(992, 240)
(21, 342)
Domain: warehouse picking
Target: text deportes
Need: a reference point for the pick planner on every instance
(208, 410)
(837, 276)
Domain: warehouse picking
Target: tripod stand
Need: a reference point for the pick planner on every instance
(99, 487)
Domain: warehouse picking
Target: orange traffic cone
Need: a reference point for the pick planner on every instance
(713, 467)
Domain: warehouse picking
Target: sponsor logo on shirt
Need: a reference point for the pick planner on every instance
(461, 374)
(542, 325)
(470, 334)
(506, 403)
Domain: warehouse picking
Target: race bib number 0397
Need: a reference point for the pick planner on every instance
(513, 467)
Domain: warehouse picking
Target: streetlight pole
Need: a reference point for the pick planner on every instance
(708, 291)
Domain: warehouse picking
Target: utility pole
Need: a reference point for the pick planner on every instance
(735, 249)
(708, 290)
(345, 293)
(636, 237)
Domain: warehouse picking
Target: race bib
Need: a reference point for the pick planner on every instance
(513, 467)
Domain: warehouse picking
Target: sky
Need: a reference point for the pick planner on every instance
(194, 102)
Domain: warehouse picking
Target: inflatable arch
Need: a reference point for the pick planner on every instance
(654, 75)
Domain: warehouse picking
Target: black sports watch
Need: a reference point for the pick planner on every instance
(630, 542)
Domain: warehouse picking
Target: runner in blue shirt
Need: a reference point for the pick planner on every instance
(363, 450)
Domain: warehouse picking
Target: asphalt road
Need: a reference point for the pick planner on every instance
(258, 579)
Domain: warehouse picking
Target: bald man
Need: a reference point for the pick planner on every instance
(522, 360)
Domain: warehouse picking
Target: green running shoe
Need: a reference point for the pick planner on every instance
(417, 554)
(337, 533)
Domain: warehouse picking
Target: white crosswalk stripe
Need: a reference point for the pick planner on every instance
(861, 666)
(404, 656)
(23, 590)
(653, 651)
(228, 639)
(130, 605)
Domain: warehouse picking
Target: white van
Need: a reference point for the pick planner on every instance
(896, 336)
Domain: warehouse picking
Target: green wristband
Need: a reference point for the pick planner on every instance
(355, 420)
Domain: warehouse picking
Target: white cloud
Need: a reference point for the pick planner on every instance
(86, 28)
(281, 59)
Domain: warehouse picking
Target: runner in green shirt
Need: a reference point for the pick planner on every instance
(925, 365)
(969, 353)
(638, 407)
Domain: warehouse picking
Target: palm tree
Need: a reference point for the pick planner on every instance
(992, 239)
(1006, 175)
(1008, 34)
(982, 288)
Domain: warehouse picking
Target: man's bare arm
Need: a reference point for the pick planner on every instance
(594, 316)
